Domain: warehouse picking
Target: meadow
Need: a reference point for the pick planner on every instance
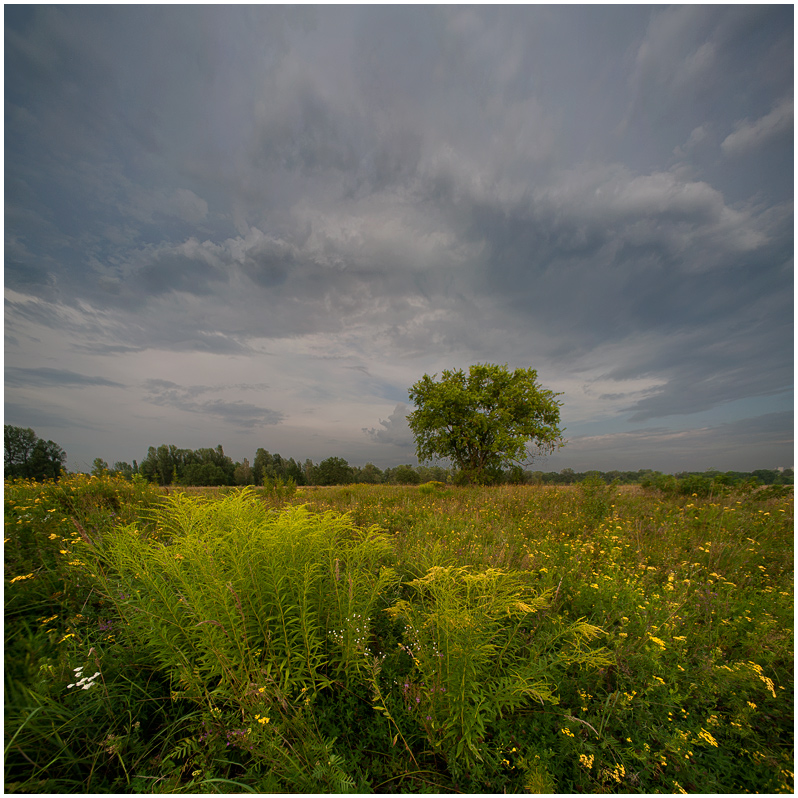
(579, 639)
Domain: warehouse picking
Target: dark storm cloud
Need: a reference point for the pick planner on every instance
(53, 378)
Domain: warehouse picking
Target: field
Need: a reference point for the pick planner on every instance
(397, 639)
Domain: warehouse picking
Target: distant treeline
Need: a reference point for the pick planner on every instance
(29, 457)
(169, 465)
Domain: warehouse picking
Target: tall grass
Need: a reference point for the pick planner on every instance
(375, 638)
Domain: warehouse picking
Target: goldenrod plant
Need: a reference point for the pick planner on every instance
(479, 651)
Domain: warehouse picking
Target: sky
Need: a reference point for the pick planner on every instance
(258, 226)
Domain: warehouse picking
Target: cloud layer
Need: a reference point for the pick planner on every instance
(327, 203)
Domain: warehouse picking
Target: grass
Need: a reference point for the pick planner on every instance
(397, 639)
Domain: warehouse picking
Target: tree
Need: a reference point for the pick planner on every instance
(334, 471)
(99, 467)
(406, 475)
(243, 473)
(369, 474)
(484, 420)
(19, 445)
(260, 466)
(30, 457)
(125, 469)
(309, 472)
(47, 461)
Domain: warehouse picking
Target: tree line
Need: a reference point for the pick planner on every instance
(30, 457)
(170, 465)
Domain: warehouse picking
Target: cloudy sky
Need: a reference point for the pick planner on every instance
(259, 226)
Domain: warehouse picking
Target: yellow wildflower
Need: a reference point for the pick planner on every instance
(707, 738)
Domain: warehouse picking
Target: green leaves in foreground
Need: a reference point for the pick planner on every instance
(256, 613)
(240, 603)
(479, 651)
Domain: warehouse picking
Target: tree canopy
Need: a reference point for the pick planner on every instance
(485, 420)
(28, 456)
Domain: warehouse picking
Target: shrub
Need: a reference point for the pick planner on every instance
(475, 656)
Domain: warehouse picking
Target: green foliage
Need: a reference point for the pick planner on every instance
(279, 489)
(405, 475)
(236, 601)
(274, 466)
(296, 679)
(333, 471)
(430, 488)
(596, 497)
(28, 457)
(368, 475)
(472, 639)
(169, 465)
(485, 420)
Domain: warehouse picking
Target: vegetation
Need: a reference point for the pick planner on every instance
(429, 638)
(484, 421)
(29, 457)
(168, 465)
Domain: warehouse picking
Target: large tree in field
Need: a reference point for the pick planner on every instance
(485, 420)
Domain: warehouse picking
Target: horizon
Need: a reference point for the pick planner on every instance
(261, 225)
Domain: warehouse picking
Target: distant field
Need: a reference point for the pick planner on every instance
(397, 639)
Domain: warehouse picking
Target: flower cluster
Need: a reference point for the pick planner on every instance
(707, 738)
(84, 682)
(617, 773)
(767, 682)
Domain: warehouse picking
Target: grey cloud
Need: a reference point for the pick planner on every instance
(213, 342)
(97, 348)
(434, 182)
(761, 442)
(40, 417)
(707, 65)
(303, 131)
(188, 206)
(240, 414)
(266, 260)
(395, 430)
(48, 377)
(164, 393)
(759, 133)
(191, 267)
